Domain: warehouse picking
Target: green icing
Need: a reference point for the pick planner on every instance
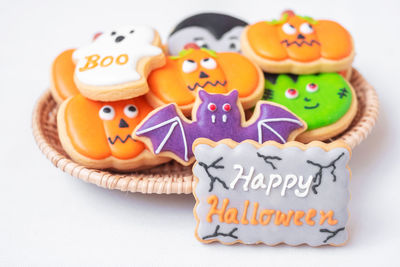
(324, 107)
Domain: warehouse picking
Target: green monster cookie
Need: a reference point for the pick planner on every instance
(324, 101)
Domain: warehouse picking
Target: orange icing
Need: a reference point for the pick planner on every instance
(170, 84)
(63, 75)
(266, 40)
(89, 134)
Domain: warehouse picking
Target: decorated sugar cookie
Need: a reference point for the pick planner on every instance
(218, 32)
(297, 44)
(99, 134)
(271, 193)
(116, 64)
(167, 132)
(326, 101)
(198, 68)
(62, 77)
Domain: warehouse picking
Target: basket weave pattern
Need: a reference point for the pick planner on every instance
(172, 178)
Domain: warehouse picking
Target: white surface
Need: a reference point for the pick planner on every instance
(48, 218)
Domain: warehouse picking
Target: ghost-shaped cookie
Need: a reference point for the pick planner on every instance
(218, 32)
(116, 64)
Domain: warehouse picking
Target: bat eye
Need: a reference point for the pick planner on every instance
(107, 113)
(208, 63)
(312, 87)
(131, 111)
(189, 66)
(306, 28)
(291, 93)
(226, 107)
(212, 107)
(288, 29)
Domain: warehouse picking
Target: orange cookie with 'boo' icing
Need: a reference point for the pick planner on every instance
(98, 134)
(198, 68)
(299, 45)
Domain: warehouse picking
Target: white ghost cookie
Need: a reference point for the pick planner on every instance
(116, 64)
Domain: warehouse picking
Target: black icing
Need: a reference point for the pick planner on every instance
(217, 24)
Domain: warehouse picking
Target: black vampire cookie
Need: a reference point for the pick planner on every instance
(218, 32)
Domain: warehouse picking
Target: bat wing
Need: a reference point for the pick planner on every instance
(276, 123)
(167, 131)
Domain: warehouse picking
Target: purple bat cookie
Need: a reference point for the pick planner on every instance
(217, 117)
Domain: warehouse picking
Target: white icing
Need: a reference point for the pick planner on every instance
(189, 66)
(175, 121)
(240, 175)
(288, 29)
(224, 118)
(131, 114)
(213, 118)
(113, 62)
(107, 116)
(306, 28)
(264, 123)
(208, 63)
(305, 186)
(274, 181)
(290, 181)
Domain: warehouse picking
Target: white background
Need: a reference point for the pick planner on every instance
(48, 218)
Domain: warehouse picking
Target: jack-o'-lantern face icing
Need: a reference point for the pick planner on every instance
(320, 99)
(98, 130)
(300, 38)
(180, 79)
(297, 44)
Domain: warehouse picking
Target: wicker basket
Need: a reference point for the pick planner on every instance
(172, 178)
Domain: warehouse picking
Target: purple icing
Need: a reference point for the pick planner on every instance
(169, 132)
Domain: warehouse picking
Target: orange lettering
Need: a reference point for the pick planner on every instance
(119, 59)
(310, 215)
(327, 216)
(254, 216)
(267, 213)
(297, 217)
(244, 216)
(283, 218)
(103, 62)
(231, 216)
(213, 201)
(90, 63)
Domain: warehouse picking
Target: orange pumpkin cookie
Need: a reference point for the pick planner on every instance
(199, 68)
(62, 77)
(299, 45)
(98, 134)
(116, 64)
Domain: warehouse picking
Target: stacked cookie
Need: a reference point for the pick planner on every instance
(127, 102)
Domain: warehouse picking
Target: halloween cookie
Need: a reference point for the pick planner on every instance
(271, 193)
(199, 68)
(62, 77)
(218, 32)
(99, 134)
(167, 132)
(297, 44)
(116, 64)
(326, 101)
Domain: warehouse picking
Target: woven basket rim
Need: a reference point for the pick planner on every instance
(172, 178)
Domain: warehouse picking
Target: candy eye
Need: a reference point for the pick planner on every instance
(107, 113)
(312, 87)
(306, 28)
(291, 93)
(226, 107)
(189, 66)
(288, 29)
(131, 111)
(212, 107)
(208, 63)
